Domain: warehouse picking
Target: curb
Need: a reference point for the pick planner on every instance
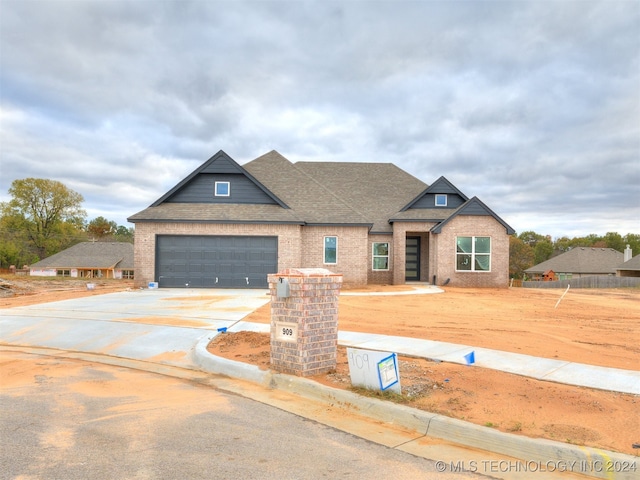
(588, 461)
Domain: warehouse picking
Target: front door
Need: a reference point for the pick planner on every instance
(412, 259)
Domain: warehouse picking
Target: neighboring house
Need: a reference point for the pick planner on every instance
(89, 260)
(227, 225)
(631, 265)
(578, 262)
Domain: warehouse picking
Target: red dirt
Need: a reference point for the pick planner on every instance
(588, 326)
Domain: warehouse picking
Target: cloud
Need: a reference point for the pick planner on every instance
(532, 106)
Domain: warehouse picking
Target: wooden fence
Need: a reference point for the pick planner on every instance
(594, 281)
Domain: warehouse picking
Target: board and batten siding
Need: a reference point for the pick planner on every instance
(201, 190)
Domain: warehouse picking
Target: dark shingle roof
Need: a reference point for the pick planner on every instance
(583, 260)
(316, 193)
(91, 255)
(219, 213)
(309, 197)
(631, 264)
(375, 190)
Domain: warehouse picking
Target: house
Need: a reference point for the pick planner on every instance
(227, 225)
(578, 262)
(631, 265)
(89, 260)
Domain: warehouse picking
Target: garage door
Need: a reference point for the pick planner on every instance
(215, 261)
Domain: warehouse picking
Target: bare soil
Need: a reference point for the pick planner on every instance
(18, 290)
(588, 326)
(599, 327)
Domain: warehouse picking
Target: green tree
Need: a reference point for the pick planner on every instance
(521, 257)
(633, 240)
(614, 240)
(14, 245)
(51, 214)
(543, 251)
(563, 244)
(532, 238)
(124, 234)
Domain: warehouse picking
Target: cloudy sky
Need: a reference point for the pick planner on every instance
(534, 107)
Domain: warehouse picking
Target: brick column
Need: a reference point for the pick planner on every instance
(304, 324)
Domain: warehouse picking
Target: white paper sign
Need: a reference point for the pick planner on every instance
(374, 370)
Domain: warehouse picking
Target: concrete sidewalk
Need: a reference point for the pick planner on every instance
(560, 371)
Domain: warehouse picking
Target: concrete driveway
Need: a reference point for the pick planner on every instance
(157, 325)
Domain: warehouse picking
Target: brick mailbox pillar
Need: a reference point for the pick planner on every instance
(304, 320)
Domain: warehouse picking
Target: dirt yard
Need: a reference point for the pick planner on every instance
(16, 291)
(589, 326)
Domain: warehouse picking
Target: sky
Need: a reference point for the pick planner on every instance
(532, 106)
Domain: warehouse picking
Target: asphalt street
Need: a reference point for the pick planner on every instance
(72, 419)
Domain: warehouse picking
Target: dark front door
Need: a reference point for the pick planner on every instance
(412, 259)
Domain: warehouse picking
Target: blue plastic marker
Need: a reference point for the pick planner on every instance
(470, 358)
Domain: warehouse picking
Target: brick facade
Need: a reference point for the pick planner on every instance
(413, 229)
(313, 307)
(298, 246)
(471, 225)
(352, 251)
(303, 247)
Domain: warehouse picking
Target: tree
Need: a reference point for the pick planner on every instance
(614, 240)
(633, 240)
(51, 214)
(101, 227)
(532, 238)
(124, 234)
(543, 251)
(521, 257)
(14, 245)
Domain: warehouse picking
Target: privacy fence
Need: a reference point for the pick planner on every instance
(595, 281)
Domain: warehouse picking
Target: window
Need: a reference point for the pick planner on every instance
(473, 254)
(441, 200)
(222, 189)
(331, 250)
(128, 274)
(63, 273)
(381, 256)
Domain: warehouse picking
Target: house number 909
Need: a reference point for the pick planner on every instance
(287, 331)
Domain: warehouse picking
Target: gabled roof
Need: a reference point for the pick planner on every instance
(220, 163)
(98, 255)
(441, 185)
(583, 260)
(373, 195)
(631, 264)
(473, 207)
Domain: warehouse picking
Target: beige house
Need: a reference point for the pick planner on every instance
(631, 265)
(228, 226)
(578, 262)
(88, 260)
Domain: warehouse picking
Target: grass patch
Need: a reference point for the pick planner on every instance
(387, 395)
